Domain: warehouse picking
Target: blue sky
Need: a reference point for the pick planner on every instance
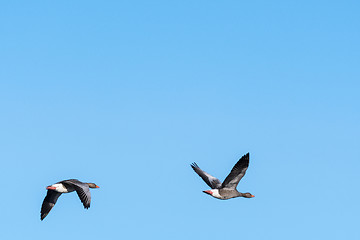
(128, 94)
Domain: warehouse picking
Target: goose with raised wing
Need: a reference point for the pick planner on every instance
(54, 191)
(227, 189)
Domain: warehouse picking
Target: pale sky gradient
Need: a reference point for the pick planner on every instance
(127, 94)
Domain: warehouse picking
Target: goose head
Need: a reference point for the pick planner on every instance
(247, 195)
(92, 185)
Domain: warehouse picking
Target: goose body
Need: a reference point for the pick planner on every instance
(227, 189)
(66, 186)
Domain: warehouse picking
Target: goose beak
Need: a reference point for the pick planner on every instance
(50, 188)
(97, 186)
(252, 196)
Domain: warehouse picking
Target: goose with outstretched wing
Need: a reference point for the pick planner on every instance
(66, 186)
(227, 189)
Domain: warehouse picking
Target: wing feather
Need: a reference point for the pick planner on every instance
(48, 203)
(211, 181)
(237, 173)
(84, 194)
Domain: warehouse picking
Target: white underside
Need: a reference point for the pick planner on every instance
(60, 188)
(215, 193)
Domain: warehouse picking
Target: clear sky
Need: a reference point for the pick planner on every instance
(127, 94)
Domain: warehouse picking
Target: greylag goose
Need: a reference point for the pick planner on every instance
(227, 189)
(66, 186)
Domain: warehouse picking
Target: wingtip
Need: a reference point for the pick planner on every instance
(246, 156)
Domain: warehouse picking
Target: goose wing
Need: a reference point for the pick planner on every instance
(211, 181)
(237, 173)
(48, 203)
(82, 190)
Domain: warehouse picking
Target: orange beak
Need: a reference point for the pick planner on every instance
(208, 192)
(50, 188)
(252, 196)
(97, 186)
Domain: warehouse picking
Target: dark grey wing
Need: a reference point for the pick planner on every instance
(83, 191)
(236, 174)
(71, 181)
(48, 203)
(211, 181)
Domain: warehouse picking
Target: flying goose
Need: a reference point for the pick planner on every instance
(66, 186)
(227, 189)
